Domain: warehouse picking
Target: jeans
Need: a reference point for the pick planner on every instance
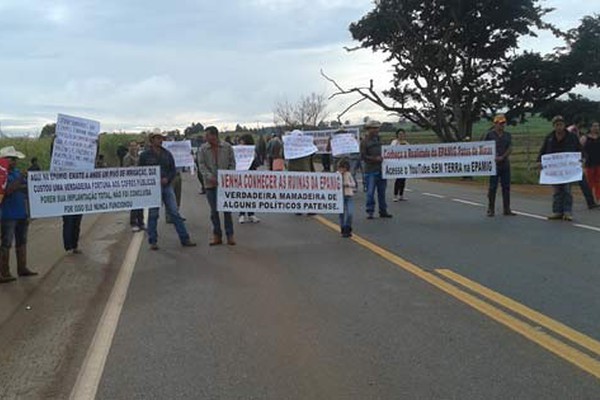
(562, 199)
(346, 217)
(71, 231)
(168, 199)
(502, 175)
(14, 229)
(136, 218)
(211, 196)
(375, 181)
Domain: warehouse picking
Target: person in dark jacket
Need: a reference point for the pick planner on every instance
(560, 140)
(157, 155)
(503, 141)
(370, 151)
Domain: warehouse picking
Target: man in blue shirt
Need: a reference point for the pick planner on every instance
(15, 222)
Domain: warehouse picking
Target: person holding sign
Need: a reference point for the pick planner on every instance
(15, 221)
(399, 183)
(503, 141)
(157, 155)
(370, 150)
(132, 159)
(560, 141)
(248, 140)
(214, 155)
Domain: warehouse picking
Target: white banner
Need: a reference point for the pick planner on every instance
(88, 192)
(344, 143)
(244, 155)
(182, 153)
(75, 145)
(439, 160)
(298, 146)
(559, 168)
(321, 138)
(280, 192)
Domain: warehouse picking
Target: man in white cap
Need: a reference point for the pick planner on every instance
(157, 155)
(370, 151)
(503, 141)
(15, 222)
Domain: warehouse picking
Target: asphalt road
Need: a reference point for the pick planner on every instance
(295, 312)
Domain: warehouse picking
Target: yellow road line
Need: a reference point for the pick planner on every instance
(535, 316)
(566, 352)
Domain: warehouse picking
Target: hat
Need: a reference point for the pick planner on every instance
(156, 132)
(11, 152)
(500, 118)
(558, 118)
(372, 124)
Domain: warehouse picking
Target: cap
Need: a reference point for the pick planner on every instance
(558, 118)
(500, 118)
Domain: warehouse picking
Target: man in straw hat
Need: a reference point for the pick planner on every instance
(15, 222)
(370, 151)
(157, 155)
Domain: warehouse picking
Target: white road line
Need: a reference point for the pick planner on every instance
(408, 190)
(591, 228)
(524, 214)
(470, 203)
(93, 366)
(437, 196)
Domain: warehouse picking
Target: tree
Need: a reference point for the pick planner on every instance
(193, 129)
(309, 112)
(48, 130)
(453, 59)
(576, 109)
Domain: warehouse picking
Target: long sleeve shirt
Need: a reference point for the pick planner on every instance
(211, 160)
(569, 143)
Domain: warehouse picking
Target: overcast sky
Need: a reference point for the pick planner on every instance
(138, 64)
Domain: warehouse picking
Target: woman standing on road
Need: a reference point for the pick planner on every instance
(591, 153)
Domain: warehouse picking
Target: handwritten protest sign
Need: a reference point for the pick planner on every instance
(321, 137)
(298, 146)
(244, 155)
(88, 192)
(559, 168)
(182, 153)
(344, 143)
(280, 192)
(75, 145)
(439, 160)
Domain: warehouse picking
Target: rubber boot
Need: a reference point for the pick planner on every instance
(491, 211)
(217, 240)
(5, 275)
(506, 205)
(22, 269)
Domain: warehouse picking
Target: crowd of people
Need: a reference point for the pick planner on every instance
(215, 154)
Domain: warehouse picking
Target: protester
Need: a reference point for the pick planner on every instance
(349, 187)
(261, 150)
(591, 152)
(15, 222)
(584, 186)
(214, 155)
(121, 153)
(302, 164)
(248, 140)
(353, 158)
(34, 166)
(399, 183)
(560, 141)
(370, 150)
(326, 161)
(177, 187)
(131, 159)
(503, 141)
(157, 155)
(275, 153)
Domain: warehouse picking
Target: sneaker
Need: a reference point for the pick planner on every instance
(254, 219)
(401, 198)
(135, 229)
(153, 246)
(385, 215)
(555, 217)
(567, 217)
(490, 213)
(242, 219)
(369, 216)
(396, 199)
(509, 213)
